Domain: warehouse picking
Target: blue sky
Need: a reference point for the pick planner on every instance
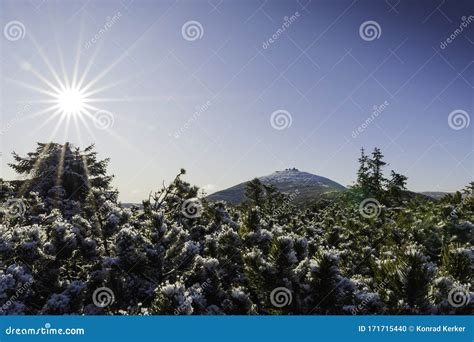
(205, 102)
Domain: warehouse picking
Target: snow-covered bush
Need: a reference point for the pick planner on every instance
(65, 237)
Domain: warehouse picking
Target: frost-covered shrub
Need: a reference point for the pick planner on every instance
(72, 237)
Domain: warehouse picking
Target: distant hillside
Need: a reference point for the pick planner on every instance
(437, 195)
(309, 186)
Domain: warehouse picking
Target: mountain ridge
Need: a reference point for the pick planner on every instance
(303, 184)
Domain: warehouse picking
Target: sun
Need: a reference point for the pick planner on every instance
(71, 101)
(71, 97)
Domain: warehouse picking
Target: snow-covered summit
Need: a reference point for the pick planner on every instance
(299, 177)
(306, 185)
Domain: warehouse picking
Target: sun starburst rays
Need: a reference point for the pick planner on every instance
(65, 96)
(73, 94)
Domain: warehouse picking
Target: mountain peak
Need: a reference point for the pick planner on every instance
(308, 186)
(294, 169)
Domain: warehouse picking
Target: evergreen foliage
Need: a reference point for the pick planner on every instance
(63, 235)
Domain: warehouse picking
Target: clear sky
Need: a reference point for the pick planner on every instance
(194, 84)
